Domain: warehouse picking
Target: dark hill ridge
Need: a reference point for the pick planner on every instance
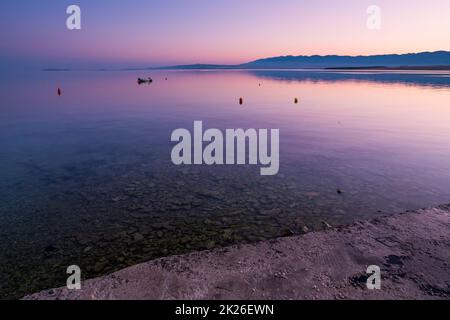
(435, 59)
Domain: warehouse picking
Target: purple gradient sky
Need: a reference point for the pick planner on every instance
(153, 33)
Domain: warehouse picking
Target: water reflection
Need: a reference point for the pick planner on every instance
(436, 79)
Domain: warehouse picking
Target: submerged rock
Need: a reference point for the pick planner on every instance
(49, 248)
(87, 249)
(99, 266)
(286, 233)
(210, 244)
(271, 212)
(326, 225)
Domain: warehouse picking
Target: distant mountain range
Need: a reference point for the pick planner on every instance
(427, 60)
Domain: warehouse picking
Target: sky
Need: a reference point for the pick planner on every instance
(139, 33)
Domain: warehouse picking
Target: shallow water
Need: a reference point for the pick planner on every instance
(86, 178)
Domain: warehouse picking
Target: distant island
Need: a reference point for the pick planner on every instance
(438, 60)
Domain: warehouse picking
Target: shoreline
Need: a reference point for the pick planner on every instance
(412, 250)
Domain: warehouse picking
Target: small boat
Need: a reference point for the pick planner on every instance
(241, 101)
(296, 100)
(141, 80)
